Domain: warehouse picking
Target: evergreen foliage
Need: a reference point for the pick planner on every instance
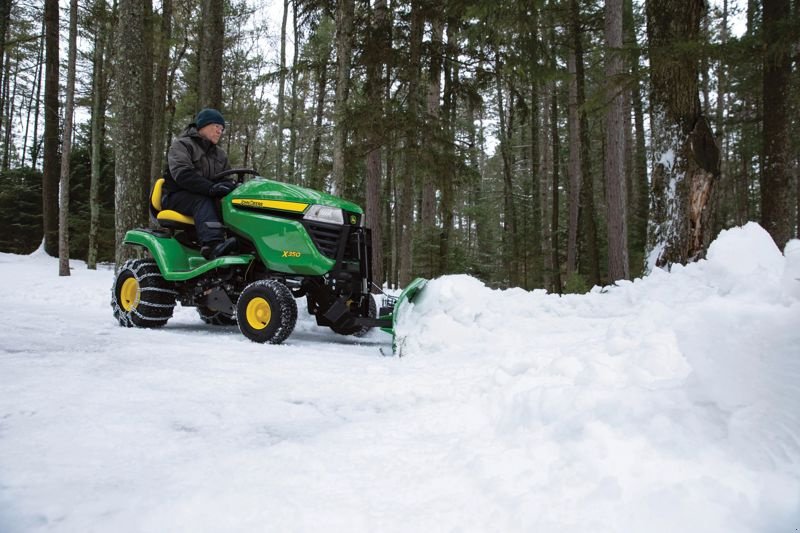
(469, 133)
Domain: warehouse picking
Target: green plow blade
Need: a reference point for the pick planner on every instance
(408, 295)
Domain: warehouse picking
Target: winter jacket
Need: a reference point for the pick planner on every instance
(193, 161)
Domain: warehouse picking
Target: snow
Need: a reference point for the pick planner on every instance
(665, 404)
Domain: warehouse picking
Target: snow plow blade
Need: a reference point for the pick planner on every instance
(393, 307)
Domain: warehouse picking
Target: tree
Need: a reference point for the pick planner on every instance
(133, 109)
(100, 59)
(615, 147)
(51, 161)
(66, 144)
(776, 180)
(281, 95)
(686, 157)
(212, 40)
(162, 48)
(344, 47)
(375, 56)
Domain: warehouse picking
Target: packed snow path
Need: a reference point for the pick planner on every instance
(667, 404)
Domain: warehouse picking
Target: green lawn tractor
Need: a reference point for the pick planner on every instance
(292, 242)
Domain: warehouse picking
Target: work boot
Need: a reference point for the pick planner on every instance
(213, 250)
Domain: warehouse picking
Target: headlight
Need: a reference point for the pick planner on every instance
(323, 213)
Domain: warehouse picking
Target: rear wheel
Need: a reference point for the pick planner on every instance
(266, 311)
(216, 318)
(141, 296)
(359, 331)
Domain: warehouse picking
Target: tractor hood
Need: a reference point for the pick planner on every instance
(262, 192)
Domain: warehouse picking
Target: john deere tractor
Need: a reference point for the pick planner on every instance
(292, 242)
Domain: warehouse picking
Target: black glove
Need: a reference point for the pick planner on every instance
(221, 188)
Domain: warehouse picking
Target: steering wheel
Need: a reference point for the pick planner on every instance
(240, 174)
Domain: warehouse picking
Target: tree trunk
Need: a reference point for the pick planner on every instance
(640, 193)
(574, 169)
(776, 182)
(5, 15)
(686, 157)
(405, 213)
(99, 102)
(510, 252)
(375, 56)
(557, 285)
(344, 46)
(133, 103)
(157, 160)
(51, 161)
(213, 40)
(451, 80)
(281, 96)
(66, 145)
(34, 142)
(292, 174)
(317, 180)
(432, 151)
(615, 146)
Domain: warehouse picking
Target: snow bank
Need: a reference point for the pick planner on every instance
(674, 400)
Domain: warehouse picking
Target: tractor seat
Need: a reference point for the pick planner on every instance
(166, 218)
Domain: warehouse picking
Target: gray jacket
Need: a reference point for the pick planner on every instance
(193, 161)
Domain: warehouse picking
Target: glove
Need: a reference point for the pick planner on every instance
(221, 188)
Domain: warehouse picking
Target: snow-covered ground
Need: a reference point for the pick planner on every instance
(667, 404)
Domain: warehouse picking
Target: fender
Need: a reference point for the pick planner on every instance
(176, 261)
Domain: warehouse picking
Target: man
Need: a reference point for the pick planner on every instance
(194, 159)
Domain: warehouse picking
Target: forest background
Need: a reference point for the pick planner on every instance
(543, 143)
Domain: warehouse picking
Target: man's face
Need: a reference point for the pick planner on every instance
(212, 132)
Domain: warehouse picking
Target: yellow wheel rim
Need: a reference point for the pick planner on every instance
(259, 313)
(129, 294)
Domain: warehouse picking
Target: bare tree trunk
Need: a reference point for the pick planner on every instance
(431, 150)
(574, 168)
(281, 95)
(639, 192)
(5, 14)
(375, 56)
(557, 285)
(615, 146)
(344, 46)
(66, 144)
(293, 178)
(317, 180)
(511, 252)
(451, 79)
(9, 111)
(157, 159)
(405, 213)
(99, 102)
(776, 182)
(5, 63)
(686, 162)
(34, 142)
(213, 40)
(133, 103)
(51, 161)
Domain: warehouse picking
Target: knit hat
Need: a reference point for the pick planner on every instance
(209, 116)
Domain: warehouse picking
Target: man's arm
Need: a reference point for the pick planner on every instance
(183, 172)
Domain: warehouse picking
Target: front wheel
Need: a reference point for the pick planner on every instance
(141, 296)
(266, 311)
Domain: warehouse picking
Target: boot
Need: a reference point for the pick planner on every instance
(213, 250)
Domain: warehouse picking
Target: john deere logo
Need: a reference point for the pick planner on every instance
(291, 253)
(353, 220)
